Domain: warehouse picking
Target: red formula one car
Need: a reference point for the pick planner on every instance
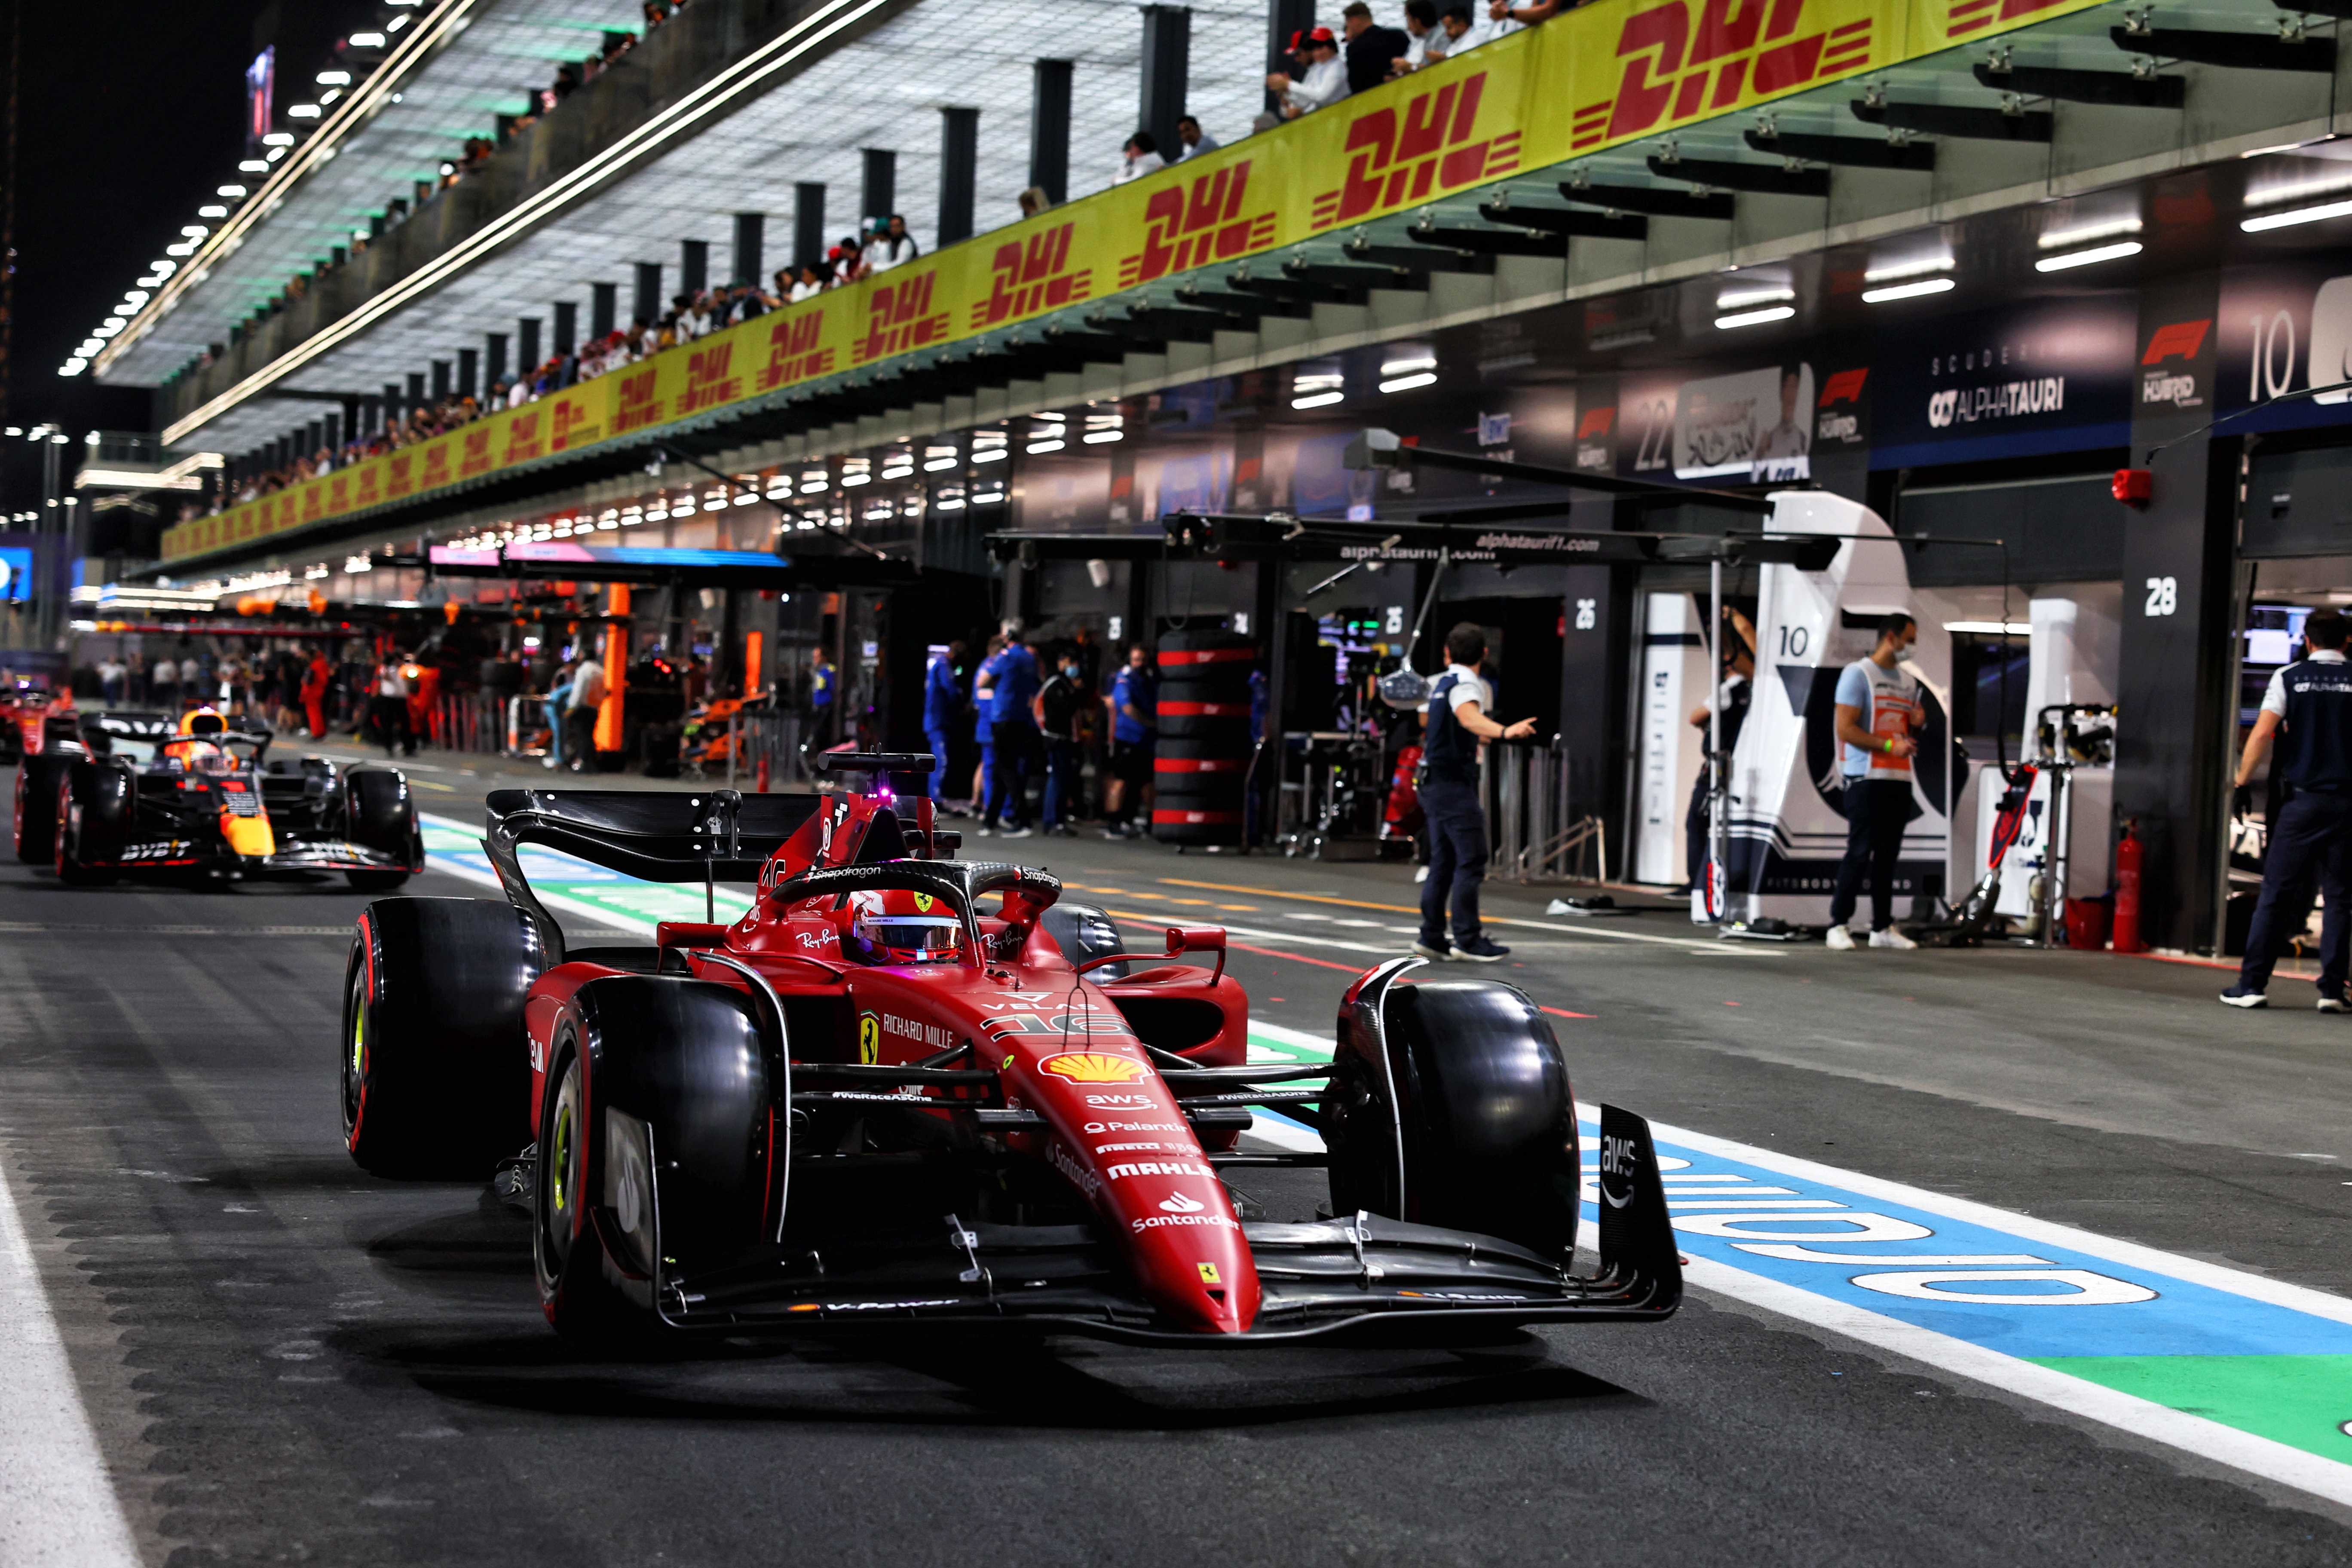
(31, 717)
(875, 1100)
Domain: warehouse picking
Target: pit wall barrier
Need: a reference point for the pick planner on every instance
(1588, 80)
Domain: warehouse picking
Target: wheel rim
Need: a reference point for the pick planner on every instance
(560, 1166)
(354, 1073)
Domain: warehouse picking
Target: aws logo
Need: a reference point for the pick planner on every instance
(1027, 278)
(1736, 51)
(1435, 147)
(1191, 224)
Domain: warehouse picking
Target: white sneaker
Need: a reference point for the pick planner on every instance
(1890, 937)
(1841, 939)
(1421, 875)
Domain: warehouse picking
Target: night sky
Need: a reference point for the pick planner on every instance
(128, 115)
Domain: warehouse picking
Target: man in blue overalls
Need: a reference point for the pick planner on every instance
(941, 698)
(1451, 732)
(2310, 701)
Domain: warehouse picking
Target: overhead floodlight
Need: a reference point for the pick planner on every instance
(333, 78)
(249, 166)
(212, 210)
(275, 154)
(1407, 383)
(73, 367)
(1319, 400)
(367, 41)
(280, 138)
(232, 192)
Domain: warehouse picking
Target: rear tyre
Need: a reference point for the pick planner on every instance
(435, 1066)
(380, 814)
(96, 804)
(36, 820)
(1474, 1082)
(654, 1150)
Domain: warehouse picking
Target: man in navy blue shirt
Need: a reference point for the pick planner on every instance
(1454, 729)
(941, 698)
(1005, 685)
(1134, 743)
(2310, 703)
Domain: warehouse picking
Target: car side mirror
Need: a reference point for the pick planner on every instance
(1199, 938)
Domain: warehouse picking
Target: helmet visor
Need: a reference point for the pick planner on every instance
(912, 939)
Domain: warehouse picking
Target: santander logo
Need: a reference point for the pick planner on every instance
(1176, 1202)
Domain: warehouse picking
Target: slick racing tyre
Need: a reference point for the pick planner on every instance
(1471, 1110)
(435, 1066)
(654, 1150)
(380, 814)
(95, 801)
(36, 819)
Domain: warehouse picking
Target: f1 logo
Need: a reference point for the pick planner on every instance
(2182, 338)
(1844, 386)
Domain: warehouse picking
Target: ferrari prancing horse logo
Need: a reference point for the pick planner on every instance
(870, 1038)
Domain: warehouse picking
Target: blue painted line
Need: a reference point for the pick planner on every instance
(2022, 1294)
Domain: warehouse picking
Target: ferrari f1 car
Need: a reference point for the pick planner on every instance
(906, 1091)
(31, 717)
(137, 794)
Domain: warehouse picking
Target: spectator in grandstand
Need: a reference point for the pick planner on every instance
(110, 673)
(1372, 50)
(891, 246)
(1454, 28)
(808, 283)
(163, 683)
(1138, 158)
(1322, 84)
(1035, 201)
(1425, 42)
(1188, 131)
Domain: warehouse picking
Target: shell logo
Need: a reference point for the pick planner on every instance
(1092, 1066)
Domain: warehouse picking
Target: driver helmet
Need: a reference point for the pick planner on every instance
(899, 927)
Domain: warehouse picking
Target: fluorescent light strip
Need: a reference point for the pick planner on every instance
(1756, 318)
(346, 119)
(1407, 383)
(2301, 214)
(1901, 269)
(1992, 629)
(1907, 290)
(2302, 190)
(1744, 298)
(2088, 258)
(1319, 400)
(745, 79)
(2061, 239)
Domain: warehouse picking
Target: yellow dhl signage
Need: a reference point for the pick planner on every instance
(1609, 73)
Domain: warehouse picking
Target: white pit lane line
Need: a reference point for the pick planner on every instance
(57, 1501)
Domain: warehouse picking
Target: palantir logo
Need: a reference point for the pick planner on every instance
(1941, 406)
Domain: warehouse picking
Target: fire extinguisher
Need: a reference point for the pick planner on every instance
(2128, 858)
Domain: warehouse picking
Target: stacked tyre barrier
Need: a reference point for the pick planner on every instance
(1203, 764)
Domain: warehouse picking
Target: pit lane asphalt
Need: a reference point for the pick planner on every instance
(286, 1360)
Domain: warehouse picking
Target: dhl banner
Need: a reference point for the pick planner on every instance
(1611, 72)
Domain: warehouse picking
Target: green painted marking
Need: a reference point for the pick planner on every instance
(2298, 1400)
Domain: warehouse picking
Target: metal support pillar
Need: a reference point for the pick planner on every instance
(693, 266)
(494, 359)
(646, 303)
(527, 358)
(808, 224)
(751, 233)
(1049, 127)
(567, 329)
(1166, 69)
(958, 173)
(878, 194)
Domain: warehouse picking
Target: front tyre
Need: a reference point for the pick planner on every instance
(658, 1150)
(35, 816)
(1453, 1108)
(435, 1063)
